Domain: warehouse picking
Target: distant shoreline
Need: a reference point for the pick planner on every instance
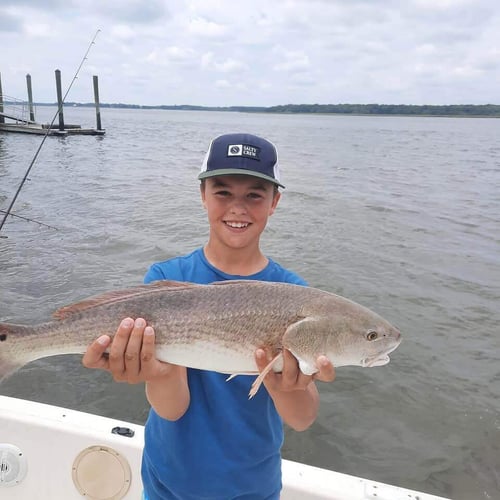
(458, 110)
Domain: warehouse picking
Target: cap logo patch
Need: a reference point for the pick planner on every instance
(244, 150)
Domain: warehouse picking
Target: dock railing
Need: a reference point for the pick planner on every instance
(15, 109)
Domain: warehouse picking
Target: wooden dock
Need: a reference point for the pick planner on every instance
(17, 110)
(41, 129)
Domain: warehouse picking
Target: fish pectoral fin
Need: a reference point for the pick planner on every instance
(305, 367)
(258, 381)
(299, 339)
(239, 373)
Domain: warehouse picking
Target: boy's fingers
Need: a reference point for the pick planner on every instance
(151, 367)
(295, 379)
(94, 356)
(119, 345)
(148, 347)
(326, 370)
(261, 359)
(133, 348)
(291, 372)
(147, 356)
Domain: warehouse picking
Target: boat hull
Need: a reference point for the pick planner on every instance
(51, 453)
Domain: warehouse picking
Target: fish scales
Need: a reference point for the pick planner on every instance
(215, 327)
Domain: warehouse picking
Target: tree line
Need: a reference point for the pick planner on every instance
(487, 110)
(391, 109)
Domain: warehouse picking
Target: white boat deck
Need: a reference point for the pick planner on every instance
(53, 453)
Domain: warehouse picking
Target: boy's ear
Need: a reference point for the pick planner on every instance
(276, 199)
(202, 194)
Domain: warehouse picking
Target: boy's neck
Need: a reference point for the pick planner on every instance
(242, 262)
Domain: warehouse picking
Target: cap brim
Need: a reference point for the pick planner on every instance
(238, 171)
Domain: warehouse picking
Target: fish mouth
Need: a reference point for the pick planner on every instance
(375, 361)
(380, 359)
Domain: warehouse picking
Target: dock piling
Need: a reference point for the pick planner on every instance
(2, 119)
(59, 100)
(30, 97)
(96, 100)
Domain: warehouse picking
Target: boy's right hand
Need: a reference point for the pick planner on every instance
(130, 356)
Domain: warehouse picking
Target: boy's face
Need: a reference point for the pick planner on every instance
(238, 207)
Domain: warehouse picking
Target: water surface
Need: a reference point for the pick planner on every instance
(399, 214)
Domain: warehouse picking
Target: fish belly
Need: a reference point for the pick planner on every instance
(209, 356)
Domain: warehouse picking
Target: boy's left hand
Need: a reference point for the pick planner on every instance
(291, 378)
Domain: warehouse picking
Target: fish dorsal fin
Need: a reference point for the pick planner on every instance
(118, 295)
(248, 282)
(229, 282)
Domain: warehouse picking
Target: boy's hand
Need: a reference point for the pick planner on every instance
(130, 356)
(291, 378)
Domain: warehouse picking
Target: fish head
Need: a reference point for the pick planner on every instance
(379, 343)
(363, 341)
(349, 334)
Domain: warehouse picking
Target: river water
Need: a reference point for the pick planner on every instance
(401, 214)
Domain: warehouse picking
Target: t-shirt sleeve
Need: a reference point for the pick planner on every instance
(293, 278)
(287, 276)
(154, 274)
(168, 270)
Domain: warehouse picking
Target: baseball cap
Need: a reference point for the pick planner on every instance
(242, 154)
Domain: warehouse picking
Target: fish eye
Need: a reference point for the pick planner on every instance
(371, 335)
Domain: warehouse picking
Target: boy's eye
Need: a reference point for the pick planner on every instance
(254, 196)
(222, 193)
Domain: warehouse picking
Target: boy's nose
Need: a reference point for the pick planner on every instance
(238, 207)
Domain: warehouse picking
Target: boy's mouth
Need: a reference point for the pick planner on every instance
(236, 225)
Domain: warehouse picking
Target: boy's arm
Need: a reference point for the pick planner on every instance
(132, 359)
(294, 394)
(170, 396)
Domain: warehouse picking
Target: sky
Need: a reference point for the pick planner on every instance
(254, 52)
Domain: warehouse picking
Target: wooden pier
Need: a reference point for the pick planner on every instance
(21, 114)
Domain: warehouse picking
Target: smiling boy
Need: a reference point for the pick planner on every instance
(204, 439)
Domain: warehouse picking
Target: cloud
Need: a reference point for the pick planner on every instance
(292, 61)
(36, 4)
(172, 55)
(123, 32)
(131, 11)
(259, 52)
(205, 28)
(9, 22)
(228, 65)
(222, 84)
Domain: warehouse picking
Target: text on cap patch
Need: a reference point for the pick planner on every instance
(243, 150)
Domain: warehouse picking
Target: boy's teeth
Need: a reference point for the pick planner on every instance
(237, 224)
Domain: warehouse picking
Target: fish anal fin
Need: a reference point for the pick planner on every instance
(118, 295)
(258, 381)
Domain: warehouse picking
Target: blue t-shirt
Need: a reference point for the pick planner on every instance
(225, 446)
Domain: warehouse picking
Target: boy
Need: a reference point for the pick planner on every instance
(204, 439)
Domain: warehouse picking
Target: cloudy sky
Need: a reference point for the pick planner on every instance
(255, 52)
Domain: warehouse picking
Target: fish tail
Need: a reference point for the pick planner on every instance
(10, 355)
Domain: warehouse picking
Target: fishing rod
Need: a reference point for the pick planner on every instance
(28, 219)
(9, 209)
